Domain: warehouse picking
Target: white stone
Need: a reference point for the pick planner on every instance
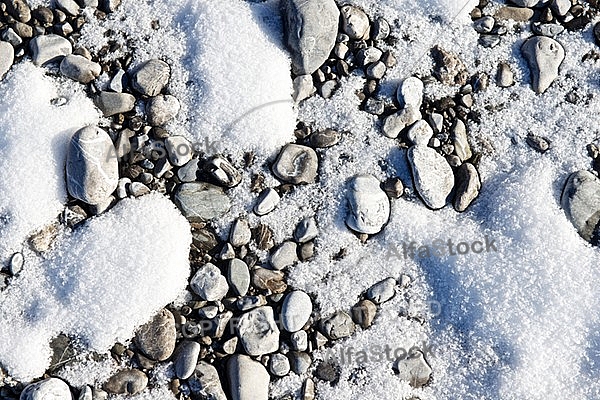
(410, 93)
(284, 256)
(420, 133)
(7, 57)
(162, 109)
(267, 201)
(248, 379)
(209, 284)
(240, 233)
(544, 56)
(179, 150)
(369, 205)
(48, 389)
(306, 230)
(382, 291)
(432, 175)
(355, 23)
(47, 48)
(258, 331)
(295, 311)
(395, 123)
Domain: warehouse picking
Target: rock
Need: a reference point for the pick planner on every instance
(364, 313)
(368, 55)
(410, 93)
(187, 173)
(550, 30)
(240, 233)
(48, 389)
(263, 236)
(162, 109)
(432, 176)
(299, 362)
(114, 103)
(238, 276)
(355, 23)
(413, 369)
(70, 7)
(296, 164)
(47, 48)
(538, 143)
(86, 393)
(368, 204)
(489, 41)
(221, 170)
(248, 379)
(376, 70)
(7, 57)
(206, 383)
(325, 138)
(328, 371)
(581, 201)
(307, 250)
(338, 326)
(249, 302)
(151, 77)
(311, 28)
(449, 68)
(208, 283)
(267, 279)
(279, 365)
(393, 187)
(380, 29)
(186, 358)
(118, 82)
(284, 256)
(258, 331)
(127, 381)
(527, 3)
(505, 76)
(374, 106)
(109, 6)
(544, 56)
(201, 201)
(92, 167)
(382, 291)
(299, 340)
(395, 123)
(306, 230)
(327, 89)
(560, 7)
(19, 10)
(156, 339)
(303, 88)
(467, 186)
(484, 24)
(517, 14)
(295, 311)
(460, 141)
(79, 68)
(179, 150)
(267, 201)
(16, 263)
(227, 252)
(420, 133)
(308, 390)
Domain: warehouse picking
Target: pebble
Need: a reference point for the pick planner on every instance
(162, 109)
(111, 103)
(420, 133)
(201, 201)
(306, 230)
(484, 25)
(550, 30)
(151, 77)
(48, 389)
(248, 379)
(230, 346)
(208, 283)
(296, 311)
(267, 201)
(581, 202)
(355, 23)
(393, 187)
(279, 365)
(560, 7)
(327, 89)
(92, 167)
(258, 331)
(303, 88)
(156, 339)
(70, 7)
(374, 106)
(413, 369)
(307, 250)
(432, 175)
(7, 57)
(489, 41)
(227, 252)
(16, 263)
(299, 340)
(468, 186)
(538, 143)
(10, 36)
(249, 302)
(186, 358)
(127, 381)
(382, 291)
(460, 141)
(308, 390)
(179, 150)
(505, 77)
(86, 393)
(205, 381)
(364, 313)
(395, 123)
(267, 279)
(118, 82)
(449, 68)
(296, 164)
(368, 55)
(137, 189)
(381, 29)
(325, 138)
(47, 48)
(410, 93)
(544, 56)
(221, 170)
(517, 14)
(311, 28)
(338, 326)
(240, 233)
(238, 276)
(299, 362)
(79, 68)
(376, 70)
(369, 206)
(284, 256)
(188, 172)
(19, 10)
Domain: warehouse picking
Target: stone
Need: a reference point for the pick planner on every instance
(201, 201)
(420, 133)
(468, 186)
(70, 7)
(505, 77)
(258, 331)
(381, 29)
(10, 36)
(393, 187)
(489, 41)
(48, 389)
(230, 346)
(162, 109)
(355, 23)
(79, 68)
(544, 56)
(92, 167)
(550, 30)
(109, 6)
(374, 106)
(279, 365)
(227, 252)
(299, 340)
(413, 369)
(560, 7)
(538, 143)
(517, 14)
(156, 339)
(295, 311)
(284, 256)
(460, 141)
(432, 176)
(223, 172)
(311, 27)
(306, 230)
(179, 150)
(338, 326)
(7, 57)
(376, 70)
(248, 379)
(86, 393)
(364, 313)
(368, 55)
(19, 10)
(308, 390)
(410, 93)
(208, 283)
(206, 383)
(48, 48)
(307, 251)
(369, 206)
(150, 78)
(382, 291)
(397, 122)
(527, 3)
(327, 89)
(484, 24)
(267, 201)
(16, 263)
(118, 82)
(127, 381)
(238, 276)
(299, 362)
(581, 202)
(325, 138)
(111, 103)
(240, 233)
(303, 88)
(267, 279)
(449, 68)
(296, 164)
(186, 358)
(188, 172)
(249, 302)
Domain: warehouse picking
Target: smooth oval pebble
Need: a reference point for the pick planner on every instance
(127, 381)
(46, 48)
(296, 311)
(79, 68)
(151, 77)
(186, 358)
(48, 389)
(157, 338)
(432, 175)
(369, 205)
(248, 379)
(238, 276)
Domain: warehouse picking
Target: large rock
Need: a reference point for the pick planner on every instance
(151, 77)
(156, 339)
(205, 382)
(7, 57)
(111, 103)
(369, 205)
(209, 283)
(296, 164)
(92, 166)
(127, 381)
(311, 27)
(432, 175)
(337, 326)
(248, 379)
(79, 68)
(296, 311)
(186, 358)
(581, 202)
(413, 369)
(258, 331)
(468, 185)
(544, 56)
(201, 201)
(48, 389)
(46, 48)
(355, 22)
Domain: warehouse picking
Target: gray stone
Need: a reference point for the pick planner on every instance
(162, 109)
(382, 291)
(47, 48)
(258, 331)
(248, 379)
(240, 233)
(311, 28)
(338, 326)
(179, 150)
(299, 340)
(208, 283)
(413, 369)
(151, 77)
(517, 14)
(118, 82)
(284, 256)
(122, 187)
(467, 186)
(355, 23)
(227, 252)
(92, 167)
(410, 93)
(188, 172)
(381, 29)
(484, 24)
(48, 389)
(186, 358)
(223, 172)
(560, 7)
(505, 76)
(420, 133)
(10, 36)
(16, 263)
(581, 201)
(538, 143)
(19, 10)
(266, 202)
(296, 164)
(374, 106)
(460, 141)
(306, 230)
(395, 123)
(295, 311)
(303, 88)
(325, 138)
(279, 365)
(489, 41)
(376, 70)
(327, 89)
(299, 362)
(307, 250)
(86, 393)
(544, 56)
(341, 50)
(111, 103)
(249, 302)
(201, 201)
(127, 381)
(70, 7)
(156, 339)
(79, 68)
(364, 313)
(206, 383)
(550, 30)
(238, 276)
(7, 57)
(369, 206)
(368, 55)
(432, 175)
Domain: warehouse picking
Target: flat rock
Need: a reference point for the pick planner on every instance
(460, 141)
(266, 202)
(338, 326)
(209, 283)
(258, 331)
(268, 279)
(201, 201)
(467, 186)
(325, 138)
(79, 68)
(179, 150)
(240, 233)
(284, 256)
(92, 166)
(306, 230)
(162, 109)
(248, 379)
(47, 48)
(581, 201)
(127, 381)
(432, 175)
(156, 339)
(369, 206)
(382, 291)
(544, 56)
(395, 123)
(111, 103)
(186, 358)
(188, 172)
(296, 164)
(48, 389)
(295, 311)
(410, 93)
(449, 68)
(413, 369)
(517, 14)
(238, 276)
(420, 133)
(206, 383)
(7, 57)
(151, 77)
(355, 23)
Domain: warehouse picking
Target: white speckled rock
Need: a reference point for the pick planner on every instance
(410, 92)
(420, 133)
(295, 311)
(544, 56)
(209, 284)
(432, 175)
(162, 109)
(48, 389)
(369, 205)
(258, 331)
(151, 77)
(248, 379)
